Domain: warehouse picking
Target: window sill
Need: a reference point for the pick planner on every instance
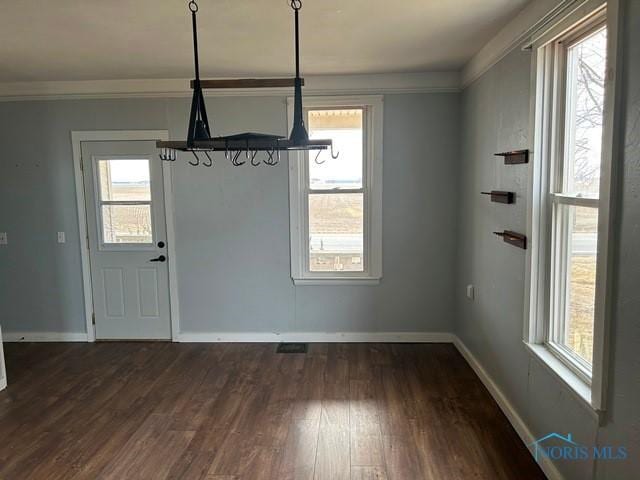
(337, 281)
(580, 389)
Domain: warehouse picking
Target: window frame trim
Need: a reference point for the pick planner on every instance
(371, 189)
(539, 208)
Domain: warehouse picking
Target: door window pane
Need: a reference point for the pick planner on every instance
(344, 127)
(336, 232)
(124, 180)
(127, 224)
(581, 285)
(586, 62)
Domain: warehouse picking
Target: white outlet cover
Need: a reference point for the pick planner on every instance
(3, 238)
(470, 292)
(61, 237)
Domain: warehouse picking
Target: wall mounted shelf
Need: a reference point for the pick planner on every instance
(500, 196)
(515, 157)
(513, 238)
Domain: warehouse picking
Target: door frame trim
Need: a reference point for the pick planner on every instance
(79, 136)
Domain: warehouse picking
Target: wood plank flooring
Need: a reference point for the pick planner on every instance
(241, 411)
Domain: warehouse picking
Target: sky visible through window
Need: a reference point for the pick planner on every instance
(585, 90)
(129, 171)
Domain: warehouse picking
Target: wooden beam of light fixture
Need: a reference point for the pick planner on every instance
(246, 83)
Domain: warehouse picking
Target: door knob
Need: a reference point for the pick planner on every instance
(161, 258)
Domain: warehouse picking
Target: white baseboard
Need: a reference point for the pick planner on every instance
(311, 337)
(12, 337)
(507, 408)
(3, 370)
(257, 337)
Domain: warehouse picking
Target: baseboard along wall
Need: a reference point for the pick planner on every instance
(12, 337)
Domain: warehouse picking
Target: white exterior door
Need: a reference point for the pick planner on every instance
(127, 239)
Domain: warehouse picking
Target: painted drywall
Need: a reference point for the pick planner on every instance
(495, 117)
(232, 224)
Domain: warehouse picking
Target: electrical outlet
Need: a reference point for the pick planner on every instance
(61, 237)
(471, 292)
(3, 238)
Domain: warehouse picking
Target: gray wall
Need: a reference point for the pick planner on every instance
(232, 223)
(495, 117)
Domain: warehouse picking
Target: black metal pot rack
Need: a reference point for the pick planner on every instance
(199, 139)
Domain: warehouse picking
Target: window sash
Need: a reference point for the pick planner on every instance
(335, 191)
(103, 245)
(125, 202)
(364, 190)
(558, 217)
(365, 237)
(371, 190)
(569, 358)
(555, 328)
(566, 97)
(563, 199)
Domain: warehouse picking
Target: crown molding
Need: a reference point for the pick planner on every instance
(536, 16)
(394, 83)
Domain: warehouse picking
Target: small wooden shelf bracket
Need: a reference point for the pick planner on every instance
(500, 196)
(513, 238)
(515, 157)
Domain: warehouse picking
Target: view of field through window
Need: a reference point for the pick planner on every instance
(586, 61)
(125, 181)
(582, 281)
(336, 219)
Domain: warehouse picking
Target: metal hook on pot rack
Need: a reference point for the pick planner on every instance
(332, 154)
(235, 162)
(210, 163)
(227, 154)
(272, 162)
(253, 158)
(168, 155)
(197, 162)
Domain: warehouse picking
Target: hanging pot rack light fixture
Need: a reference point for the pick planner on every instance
(199, 139)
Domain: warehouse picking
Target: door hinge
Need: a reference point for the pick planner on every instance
(93, 318)
(88, 248)
(82, 164)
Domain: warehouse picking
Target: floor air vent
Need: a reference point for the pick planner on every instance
(292, 348)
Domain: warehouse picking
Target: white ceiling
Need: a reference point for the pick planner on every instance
(44, 40)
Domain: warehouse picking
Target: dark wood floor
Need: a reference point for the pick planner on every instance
(241, 411)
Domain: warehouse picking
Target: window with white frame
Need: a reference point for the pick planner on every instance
(124, 200)
(336, 231)
(573, 149)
